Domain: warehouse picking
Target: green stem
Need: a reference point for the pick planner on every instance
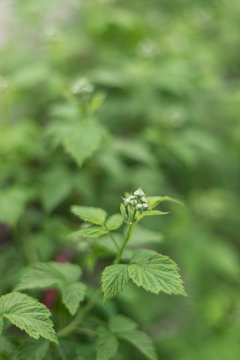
(77, 320)
(129, 233)
(85, 310)
(113, 239)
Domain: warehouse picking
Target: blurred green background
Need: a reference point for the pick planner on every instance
(166, 116)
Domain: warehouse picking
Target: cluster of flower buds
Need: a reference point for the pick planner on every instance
(137, 200)
(82, 87)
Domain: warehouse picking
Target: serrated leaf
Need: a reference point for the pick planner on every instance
(93, 215)
(91, 232)
(49, 274)
(114, 222)
(27, 314)
(155, 273)
(12, 203)
(82, 140)
(121, 323)
(107, 344)
(141, 341)
(63, 276)
(153, 201)
(33, 350)
(114, 280)
(72, 295)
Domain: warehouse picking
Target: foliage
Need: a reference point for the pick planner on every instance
(100, 97)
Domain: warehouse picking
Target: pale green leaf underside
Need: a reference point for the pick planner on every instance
(72, 295)
(114, 222)
(63, 276)
(114, 280)
(107, 344)
(91, 232)
(151, 213)
(27, 314)
(93, 215)
(141, 341)
(82, 141)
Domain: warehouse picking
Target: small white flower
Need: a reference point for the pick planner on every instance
(139, 192)
(139, 207)
(133, 202)
(145, 206)
(127, 201)
(132, 197)
(144, 199)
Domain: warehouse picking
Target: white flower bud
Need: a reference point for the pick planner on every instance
(145, 206)
(144, 199)
(139, 192)
(133, 202)
(139, 207)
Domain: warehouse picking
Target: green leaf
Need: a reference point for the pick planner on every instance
(150, 213)
(33, 350)
(72, 295)
(153, 201)
(1, 325)
(6, 345)
(82, 141)
(121, 323)
(91, 232)
(155, 273)
(141, 341)
(12, 203)
(124, 213)
(107, 344)
(27, 314)
(63, 276)
(114, 222)
(114, 280)
(90, 214)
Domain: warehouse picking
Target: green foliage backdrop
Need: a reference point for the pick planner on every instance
(160, 108)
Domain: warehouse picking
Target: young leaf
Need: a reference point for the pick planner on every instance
(114, 222)
(121, 323)
(72, 295)
(141, 341)
(150, 213)
(93, 215)
(123, 212)
(107, 344)
(91, 232)
(33, 350)
(27, 314)
(153, 201)
(155, 273)
(83, 141)
(63, 276)
(114, 280)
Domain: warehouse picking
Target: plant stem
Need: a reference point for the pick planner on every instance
(129, 233)
(85, 310)
(82, 312)
(114, 240)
